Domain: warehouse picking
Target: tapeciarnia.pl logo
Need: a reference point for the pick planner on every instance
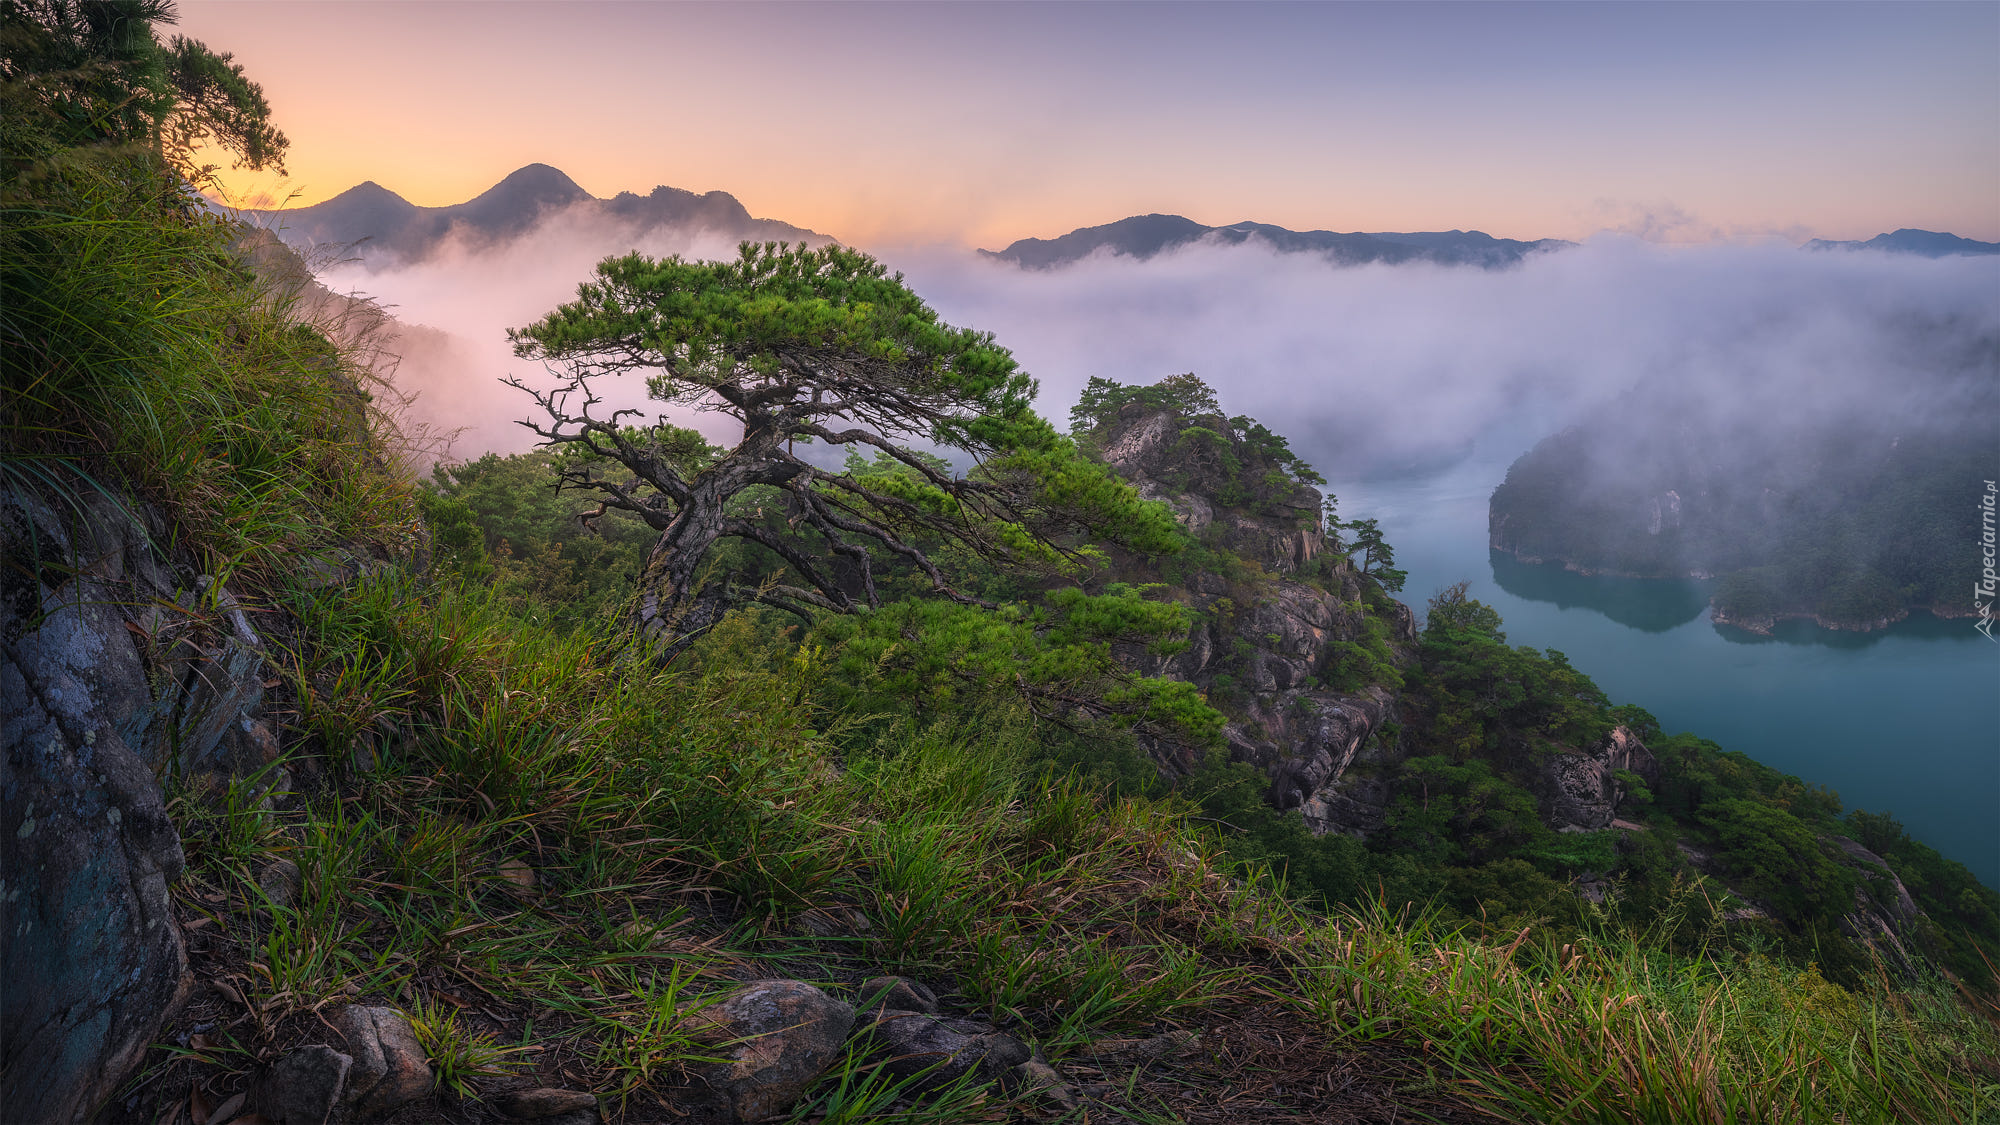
(1989, 581)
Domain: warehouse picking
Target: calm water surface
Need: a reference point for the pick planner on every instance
(1904, 720)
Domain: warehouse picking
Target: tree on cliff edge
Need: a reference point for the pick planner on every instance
(818, 346)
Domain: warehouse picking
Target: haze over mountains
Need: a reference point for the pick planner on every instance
(1373, 370)
(384, 227)
(389, 226)
(1143, 236)
(1928, 243)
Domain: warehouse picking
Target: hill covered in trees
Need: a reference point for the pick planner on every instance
(1105, 777)
(1850, 520)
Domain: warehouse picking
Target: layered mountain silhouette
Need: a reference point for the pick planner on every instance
(1909, 240)
(1143, 236)
(379, 223)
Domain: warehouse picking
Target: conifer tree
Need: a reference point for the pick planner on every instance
(79, 74)
(821, 346)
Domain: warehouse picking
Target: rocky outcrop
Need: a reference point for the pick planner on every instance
(92, 961)
(1885, 915)
(1266, 645)
(1220, 488)
(390, 1068)
(1582, 788)
(378, 1069)
(115, 668)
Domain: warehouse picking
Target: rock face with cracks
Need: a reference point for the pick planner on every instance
(117, 667)
(92, 961)
(1583, 787)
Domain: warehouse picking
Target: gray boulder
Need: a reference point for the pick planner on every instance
(945, 1050)
(304, 1087)
(390, 1067)
(777, 1037)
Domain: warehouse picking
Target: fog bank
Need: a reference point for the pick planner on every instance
(1369, 371)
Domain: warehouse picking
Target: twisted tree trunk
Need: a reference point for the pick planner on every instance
(669, 607)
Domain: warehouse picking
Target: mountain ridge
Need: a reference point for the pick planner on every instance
(1910, 240)
(380, 223)
(1143, 236)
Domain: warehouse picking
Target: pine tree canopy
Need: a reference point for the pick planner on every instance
(820, 346)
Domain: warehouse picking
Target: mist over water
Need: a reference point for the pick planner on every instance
(1379, 370)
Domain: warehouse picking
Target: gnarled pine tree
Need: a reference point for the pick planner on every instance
(824, 346)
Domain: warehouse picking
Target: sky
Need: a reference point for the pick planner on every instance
(890, 125)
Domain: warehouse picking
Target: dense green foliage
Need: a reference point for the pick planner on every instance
(823, 346)
(1478, 722)
(500, 520)
(489, 789)
(212, 397)
(1490, 715)
(748, 772)
(81, 79)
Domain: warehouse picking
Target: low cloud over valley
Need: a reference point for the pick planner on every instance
(1370, 370)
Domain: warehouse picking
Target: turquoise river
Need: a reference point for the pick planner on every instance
(1904, 720)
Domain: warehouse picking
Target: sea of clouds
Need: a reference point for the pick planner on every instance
(1370, 371)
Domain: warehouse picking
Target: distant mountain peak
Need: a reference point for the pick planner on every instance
(540, 180)
(370, 190)
(1910, 240)
(388, 225)
(1143, 236)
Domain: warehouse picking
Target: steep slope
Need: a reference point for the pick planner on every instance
(1301, 649)
(1446, 764)
(1273, 609)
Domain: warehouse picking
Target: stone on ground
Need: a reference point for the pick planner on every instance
(778, 1035)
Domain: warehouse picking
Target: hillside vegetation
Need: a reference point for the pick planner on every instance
(1195, 825)
(1852, 520)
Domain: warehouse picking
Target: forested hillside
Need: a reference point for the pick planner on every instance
(997, 774)
(1852, 520)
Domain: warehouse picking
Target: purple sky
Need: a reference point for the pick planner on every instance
(974, 124)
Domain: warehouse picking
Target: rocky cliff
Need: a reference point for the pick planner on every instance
(1299, 649)
(1268, 640)
(121, 667)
